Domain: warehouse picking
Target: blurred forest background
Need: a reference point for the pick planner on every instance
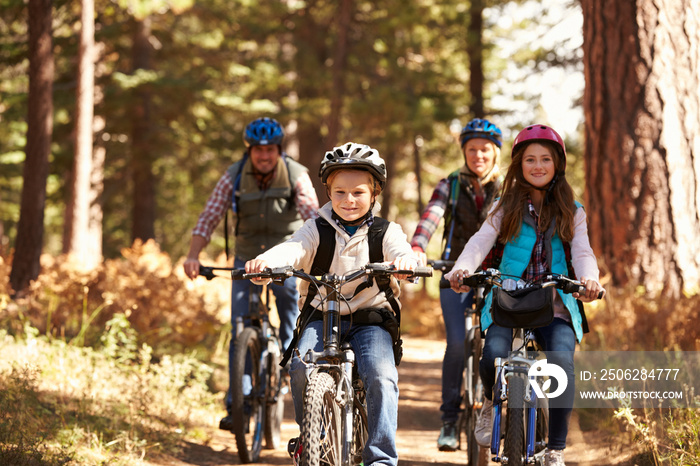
(117, 117)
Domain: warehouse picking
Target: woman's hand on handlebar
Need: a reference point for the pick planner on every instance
(404, 263)
(455, 277)
(257, 266)
(593, 288)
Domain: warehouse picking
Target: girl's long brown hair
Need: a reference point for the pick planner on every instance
(516, 190)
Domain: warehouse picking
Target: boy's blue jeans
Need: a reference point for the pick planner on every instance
(286, 300)
(559, 340)
(453, 311)
(374, 357)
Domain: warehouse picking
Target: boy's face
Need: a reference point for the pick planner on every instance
(351, 194)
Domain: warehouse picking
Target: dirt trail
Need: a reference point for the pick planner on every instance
(419, 423)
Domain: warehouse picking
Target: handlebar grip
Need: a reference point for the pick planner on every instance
(237, 274)
(444, 283)
(423, 272)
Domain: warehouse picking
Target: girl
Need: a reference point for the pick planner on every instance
(354, 175)
(531, 227)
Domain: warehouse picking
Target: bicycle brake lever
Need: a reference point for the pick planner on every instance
(206, 272)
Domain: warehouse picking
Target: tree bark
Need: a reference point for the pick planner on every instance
(642, 153)
(338, 72)
(30, 228)
(144, 207)
(475, 51)
(78, 240)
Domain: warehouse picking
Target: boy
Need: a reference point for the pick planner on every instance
(354, 175)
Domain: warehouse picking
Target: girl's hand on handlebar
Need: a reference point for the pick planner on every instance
(404, 263)
(257, 266)
(455, 277)
(593, 288)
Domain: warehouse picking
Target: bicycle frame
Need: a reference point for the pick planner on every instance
(524, 355)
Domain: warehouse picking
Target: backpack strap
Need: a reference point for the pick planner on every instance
(451, 211)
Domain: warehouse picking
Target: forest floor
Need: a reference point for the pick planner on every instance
(419, 424)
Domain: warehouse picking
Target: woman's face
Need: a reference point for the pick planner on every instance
(351, 194)
(480, 155)
(538, 165)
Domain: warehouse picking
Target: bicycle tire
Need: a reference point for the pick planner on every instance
(359, 427)
(474, 395)
(514, 441)
(321, 427)
(247, 409)
(274, 407)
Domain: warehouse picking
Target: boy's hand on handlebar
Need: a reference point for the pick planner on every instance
(455, 277)
(404, 263)
(257, 266)
(593, 288)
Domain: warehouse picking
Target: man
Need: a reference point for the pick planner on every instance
(271, 196)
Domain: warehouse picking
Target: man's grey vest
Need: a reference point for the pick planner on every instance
(264, 218)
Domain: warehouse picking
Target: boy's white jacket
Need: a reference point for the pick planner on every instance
(351, 253)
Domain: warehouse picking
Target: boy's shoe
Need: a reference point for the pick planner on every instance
(294, 450)
(226, 423)
(448, 441)
(482, 431)
(554, 458)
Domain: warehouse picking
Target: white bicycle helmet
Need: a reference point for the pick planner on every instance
(356, 157)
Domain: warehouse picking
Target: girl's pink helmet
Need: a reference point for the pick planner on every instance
(540, 132)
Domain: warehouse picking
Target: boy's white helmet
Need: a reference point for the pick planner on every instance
(353, 156)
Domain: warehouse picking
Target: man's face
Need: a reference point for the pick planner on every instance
(264, 158)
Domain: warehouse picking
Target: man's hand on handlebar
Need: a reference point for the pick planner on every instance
(455, 277)
(191, 267)
(593, 288)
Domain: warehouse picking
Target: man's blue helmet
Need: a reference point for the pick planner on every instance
(262, 132)
(480, 128)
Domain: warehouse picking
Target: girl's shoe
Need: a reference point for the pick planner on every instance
(554, 458)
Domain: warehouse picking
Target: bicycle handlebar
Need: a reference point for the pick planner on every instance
(208, 272)
(282, 273)
(495, 278)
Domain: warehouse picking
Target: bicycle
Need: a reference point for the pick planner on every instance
(257, 385)
(526, 415)
(334, 427)
(472, 388)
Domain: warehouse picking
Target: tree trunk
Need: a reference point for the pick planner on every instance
(78, 240)
(338, 72)
(30, 228)
(475, 51)
(144, 208)
(641, 63)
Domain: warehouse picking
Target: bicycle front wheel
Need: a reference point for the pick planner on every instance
(247, 396)
(514, 442)
(321, 428)
(359, 427)
(474, 393)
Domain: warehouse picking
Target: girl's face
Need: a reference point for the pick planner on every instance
(351, 194)
(480, 155)
(538, 165)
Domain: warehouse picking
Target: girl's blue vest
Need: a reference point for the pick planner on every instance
(516, 256)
